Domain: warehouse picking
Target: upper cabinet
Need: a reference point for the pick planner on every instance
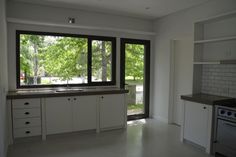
(215, 40)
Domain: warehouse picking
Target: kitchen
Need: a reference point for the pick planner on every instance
(162, 33)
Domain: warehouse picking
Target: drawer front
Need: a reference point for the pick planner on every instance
(25, 103)
(27, 132)
(26, 113)
(27, 122)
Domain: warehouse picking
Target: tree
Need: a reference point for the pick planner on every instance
(134, 61)
(30, 47)
(101, 59)
(66, 58)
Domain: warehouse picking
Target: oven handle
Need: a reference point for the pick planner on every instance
(230, 124)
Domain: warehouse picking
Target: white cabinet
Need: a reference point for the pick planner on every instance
(55, 115)
(112, 111)
(84, 112)
(58, 115)
(26, 117)
(197, 124)
(68, 114)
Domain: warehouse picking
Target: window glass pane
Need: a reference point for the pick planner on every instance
(52, 60)
(101, 61)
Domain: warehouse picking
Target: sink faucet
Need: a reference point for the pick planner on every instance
(67, 84)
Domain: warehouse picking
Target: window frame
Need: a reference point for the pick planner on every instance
(89, 38)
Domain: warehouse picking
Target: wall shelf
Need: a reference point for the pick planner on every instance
(214, 44)
(203, 63)
(215, 40)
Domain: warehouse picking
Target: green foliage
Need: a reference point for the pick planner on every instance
(135, 106)
(101, 59)
(30, 47)
(134, 61)
(66, 58)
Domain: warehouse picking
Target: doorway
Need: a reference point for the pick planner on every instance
(135, 76)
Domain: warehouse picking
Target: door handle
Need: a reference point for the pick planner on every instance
(27, 113)
(231, 125)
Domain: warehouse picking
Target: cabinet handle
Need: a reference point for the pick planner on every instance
(27, 132)
(204, 107)
(27, 123)
(26, 103)
(75, 99)
(27, 113)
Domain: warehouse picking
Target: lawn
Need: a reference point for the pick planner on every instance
(132, 82)
(135, 106)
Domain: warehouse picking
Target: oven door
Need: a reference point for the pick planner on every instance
(226, 137)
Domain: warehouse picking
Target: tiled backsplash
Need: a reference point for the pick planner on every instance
(219, 79)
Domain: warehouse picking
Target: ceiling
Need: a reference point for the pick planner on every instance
(149, 9)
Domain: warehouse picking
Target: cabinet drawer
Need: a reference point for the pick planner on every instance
(27, 132)
(26, 113)
(25, 103)
(27, 122)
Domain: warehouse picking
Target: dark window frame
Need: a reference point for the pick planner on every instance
(89, 38)
(147, 60)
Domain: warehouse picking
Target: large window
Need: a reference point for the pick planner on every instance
(53, 59)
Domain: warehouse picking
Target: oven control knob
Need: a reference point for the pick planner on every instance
(229, 113)
(222, 112)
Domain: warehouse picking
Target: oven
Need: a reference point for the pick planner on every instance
(224, 140)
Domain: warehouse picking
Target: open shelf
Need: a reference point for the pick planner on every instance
(215, 40)
(215, 62)
(202, 63)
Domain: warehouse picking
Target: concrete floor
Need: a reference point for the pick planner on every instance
(143, 138)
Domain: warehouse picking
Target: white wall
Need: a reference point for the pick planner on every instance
(3, 80)
(85, 18)
(58, 16)
(177, 26)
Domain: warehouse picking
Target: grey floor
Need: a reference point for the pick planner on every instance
(144, 138)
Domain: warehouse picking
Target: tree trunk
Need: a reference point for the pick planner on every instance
(25, 77)
(104, 62)
(35, 64)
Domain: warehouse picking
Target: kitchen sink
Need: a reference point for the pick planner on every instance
(69, 90)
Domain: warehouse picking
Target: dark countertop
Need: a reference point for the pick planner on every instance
(208, 99)
(42, 93)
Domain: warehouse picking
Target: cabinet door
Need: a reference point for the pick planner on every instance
(196, 123)
(112, 111)
(58, 115)
(84, 113)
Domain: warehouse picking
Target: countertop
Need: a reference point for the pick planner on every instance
(42, 93)
(208, 99)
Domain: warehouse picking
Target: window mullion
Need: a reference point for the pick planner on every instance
(89, 60)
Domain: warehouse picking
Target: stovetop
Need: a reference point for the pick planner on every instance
(227, 111)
